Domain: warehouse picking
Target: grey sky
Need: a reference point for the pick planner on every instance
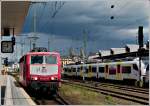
(66, 29)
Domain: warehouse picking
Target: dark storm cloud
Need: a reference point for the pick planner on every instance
(94, 17)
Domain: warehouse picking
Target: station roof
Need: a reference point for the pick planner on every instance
(118, 50)
(133, 47)
(13, 15)
(104, 52)
(124, 55)
(121, 52)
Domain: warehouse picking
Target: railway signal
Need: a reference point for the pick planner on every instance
(7, 47)
(6, 61)
(13, 40)
(140, 36)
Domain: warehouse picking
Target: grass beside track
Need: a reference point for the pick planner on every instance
(81, 96)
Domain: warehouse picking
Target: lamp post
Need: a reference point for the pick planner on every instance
(33, 41)
(140, 41)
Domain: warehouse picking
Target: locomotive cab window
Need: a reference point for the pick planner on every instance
(51, 59)
(135, 67)
(36, 59)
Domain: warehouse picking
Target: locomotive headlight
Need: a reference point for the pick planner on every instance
(35, 78)
(52, 78)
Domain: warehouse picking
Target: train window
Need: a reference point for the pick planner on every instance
(65, 69)
(94, 69)
(101, 69)
(86, 70)
(147, 68)
(112, 70)
(135, 67)
(78, 69)
(126, 69)
(74, 69)
(69, 70)
(51, 59)
(36, 59)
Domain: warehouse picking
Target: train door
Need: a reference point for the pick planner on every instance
(86, 71)
(71, 72)
(68, 71)
(106, 71)
(112, 71)
(101, 71)
(81, 71)
(76, 72)
(90, 71)
(119, 72)
(94, 72)
(97, 68)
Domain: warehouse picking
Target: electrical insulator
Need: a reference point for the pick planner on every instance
(112, 17)
(112, 6)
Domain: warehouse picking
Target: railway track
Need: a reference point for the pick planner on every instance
(52, 100)
(120, 87)
(116, 86)
(46, 98)
(61, 100)
(123, 92)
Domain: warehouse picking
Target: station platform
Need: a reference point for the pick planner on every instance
(12, 93)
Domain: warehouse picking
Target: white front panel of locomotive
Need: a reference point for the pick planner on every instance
(40, 70)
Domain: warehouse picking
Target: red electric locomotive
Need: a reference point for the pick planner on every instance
(40, 70)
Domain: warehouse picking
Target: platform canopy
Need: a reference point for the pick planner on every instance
(13, 15)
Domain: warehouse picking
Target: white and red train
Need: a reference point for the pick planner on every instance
(40, 70)
(123, 70)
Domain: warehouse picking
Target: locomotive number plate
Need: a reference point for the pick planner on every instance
(44, 70)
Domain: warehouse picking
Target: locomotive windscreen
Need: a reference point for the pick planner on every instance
(36, 59)
(51, 59)
(48, 59)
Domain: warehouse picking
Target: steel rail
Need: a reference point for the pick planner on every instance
(123, 95)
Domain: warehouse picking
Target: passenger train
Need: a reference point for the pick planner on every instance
(122, 70)
(40, 70)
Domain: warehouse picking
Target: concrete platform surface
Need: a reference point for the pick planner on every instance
(15, 95)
